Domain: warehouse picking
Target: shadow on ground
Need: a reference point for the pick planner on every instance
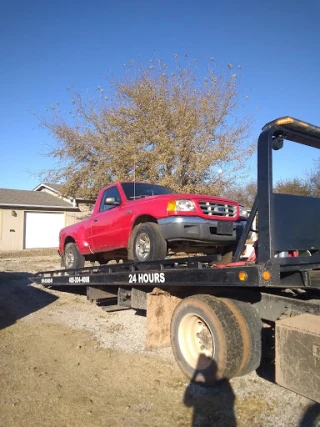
(311, 417)
(266, 369)
(212, 406)
(18, 298)
(78, 290)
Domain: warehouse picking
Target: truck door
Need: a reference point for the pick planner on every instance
(106, 228)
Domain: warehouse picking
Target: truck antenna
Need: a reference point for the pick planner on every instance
(134, 177)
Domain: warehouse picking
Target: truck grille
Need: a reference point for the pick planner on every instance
(218, 209)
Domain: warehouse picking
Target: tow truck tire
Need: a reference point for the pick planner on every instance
(251, 326)
(147, 242)
(72, 257)
(206, 339)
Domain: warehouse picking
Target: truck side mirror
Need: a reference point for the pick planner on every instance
(111, 201)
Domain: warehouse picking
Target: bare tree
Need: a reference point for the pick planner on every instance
(244, 194)
(310, 186)
(293, 186)
(313, 180)
(173, 128)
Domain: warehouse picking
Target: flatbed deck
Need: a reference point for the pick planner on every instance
(191, 271)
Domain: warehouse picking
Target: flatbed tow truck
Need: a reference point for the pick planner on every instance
(212, 314)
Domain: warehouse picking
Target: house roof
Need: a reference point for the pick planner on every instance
(53, 187)
(32, 199)
(56, 189)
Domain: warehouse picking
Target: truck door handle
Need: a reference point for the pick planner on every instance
(95, 219)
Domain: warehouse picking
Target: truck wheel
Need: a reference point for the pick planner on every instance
(72, 257)
(206, 339)
(148, 244)
(251, 326)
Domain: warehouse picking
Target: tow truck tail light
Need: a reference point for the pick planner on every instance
(266, 275)
(284, 121)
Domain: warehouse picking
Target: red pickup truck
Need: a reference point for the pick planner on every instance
(142, 222)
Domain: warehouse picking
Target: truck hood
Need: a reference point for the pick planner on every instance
(196, 197)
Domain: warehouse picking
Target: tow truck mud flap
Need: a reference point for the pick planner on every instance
(160, 306)
(298, 354)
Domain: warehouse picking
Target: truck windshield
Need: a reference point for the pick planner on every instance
(138, 190)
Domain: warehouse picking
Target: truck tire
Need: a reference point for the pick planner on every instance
(147, 242)
(72, 257)
(251, 327)
(206, 339)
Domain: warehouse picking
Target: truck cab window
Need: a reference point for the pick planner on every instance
(110, 199)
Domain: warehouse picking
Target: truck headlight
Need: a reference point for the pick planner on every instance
(181, 206)
(243, 212)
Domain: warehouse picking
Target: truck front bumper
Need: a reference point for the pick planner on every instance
(197, 229)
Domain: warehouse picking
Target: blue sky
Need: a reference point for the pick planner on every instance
(46, 46)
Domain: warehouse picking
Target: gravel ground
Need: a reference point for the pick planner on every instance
(66, 362)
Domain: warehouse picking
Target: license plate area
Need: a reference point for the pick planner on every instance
(225, 227)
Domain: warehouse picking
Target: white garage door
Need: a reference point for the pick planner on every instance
(42, 229)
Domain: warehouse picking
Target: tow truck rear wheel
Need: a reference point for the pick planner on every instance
(206, 339)
(72, 257)
(250, 325)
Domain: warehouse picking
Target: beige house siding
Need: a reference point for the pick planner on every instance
(74, 217)
(12, 229)
(86, 210)
(13, 210)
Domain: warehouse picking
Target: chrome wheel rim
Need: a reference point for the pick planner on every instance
(69, 258)
(142, 247)
(196, 341)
